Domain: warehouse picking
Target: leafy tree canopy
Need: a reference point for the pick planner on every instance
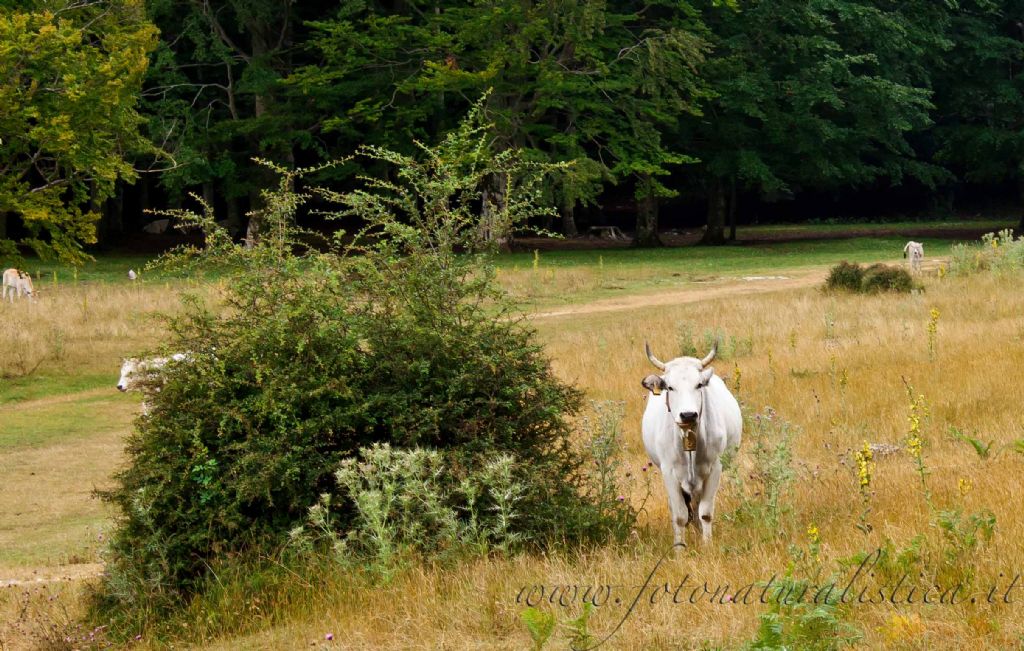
(70, 74)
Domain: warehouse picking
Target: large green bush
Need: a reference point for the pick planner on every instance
(885, 278)
(400, 340)
(851, 277)
(846, 276)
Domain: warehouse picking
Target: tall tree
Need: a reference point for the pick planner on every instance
(818, 94)
(980, 95)
(566, 80)
(216, 98)
(70, 74)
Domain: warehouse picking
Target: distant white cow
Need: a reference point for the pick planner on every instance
(914, 252)
(135, 370)
(158, 227)
(690, 420)
(132, 275)
(18, 282)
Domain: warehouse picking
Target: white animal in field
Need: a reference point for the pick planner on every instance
(914, 252)
(158, 227)
(132, 275)
(690, 420)
(18, 282)
(135, 370)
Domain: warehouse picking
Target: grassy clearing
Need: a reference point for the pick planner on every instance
(62, 425)
(828, 229)
(831, 365)
(559, 277)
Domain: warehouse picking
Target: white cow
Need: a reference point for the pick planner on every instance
(689, 408)
(20, 283)
(914, 252)
(158, 227)
(134, 370)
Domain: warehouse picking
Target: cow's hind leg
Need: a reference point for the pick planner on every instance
(676, 503)
(706, 508)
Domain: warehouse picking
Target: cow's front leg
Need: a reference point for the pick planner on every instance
(676, 503)
(706, 508)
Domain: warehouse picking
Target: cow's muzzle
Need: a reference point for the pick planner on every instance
(121, 388)
(687, 419)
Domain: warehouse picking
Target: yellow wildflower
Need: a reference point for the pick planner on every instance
(964, 485)
(812, 534)
(914, 445)
(864, 466)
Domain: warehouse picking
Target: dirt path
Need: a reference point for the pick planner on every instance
(703, 291)
(59, 399)
(698, 291)
(41, 575)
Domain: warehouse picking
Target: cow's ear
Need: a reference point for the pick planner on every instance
(654, 383)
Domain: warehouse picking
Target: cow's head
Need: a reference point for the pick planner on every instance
(683, 379)
(129, 374)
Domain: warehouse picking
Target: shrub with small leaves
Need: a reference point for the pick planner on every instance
(399, 336)
(851, 277)
(885, 278)
(846, 276)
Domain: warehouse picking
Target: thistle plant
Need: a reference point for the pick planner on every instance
(830, 326)
(865, 468)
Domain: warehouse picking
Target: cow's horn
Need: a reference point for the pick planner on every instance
(650, 356)
(707, 360)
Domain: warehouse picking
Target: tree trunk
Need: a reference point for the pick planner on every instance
(569, 220)
(715, 233)
(493, 229)
(209, 196)
(732, 210)
(647, 217)
(262, 178)
(234, 217)
(115, 211)
(3, 225)
(1020, 195)
(252, 230)
(99, 209)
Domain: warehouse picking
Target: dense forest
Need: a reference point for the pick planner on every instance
(673, 113)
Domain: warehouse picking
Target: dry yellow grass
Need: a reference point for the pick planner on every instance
(974, 383)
